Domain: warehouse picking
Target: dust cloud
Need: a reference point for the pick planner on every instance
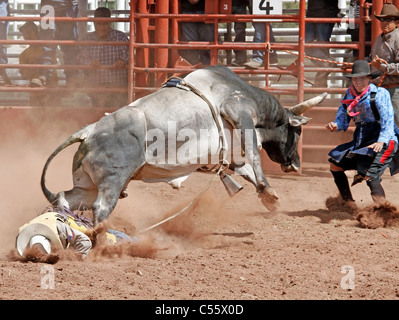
(376, 215)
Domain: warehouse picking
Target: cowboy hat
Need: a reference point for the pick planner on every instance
(388, 10)
(361, 68)
(40, 242)
(25, 236)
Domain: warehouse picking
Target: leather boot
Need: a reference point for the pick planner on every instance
(342, 183)
(377, 192)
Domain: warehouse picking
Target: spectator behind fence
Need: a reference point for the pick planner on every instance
(58, 31)
(196, 31)
(385, 53)
(353, 29)
(32, 54)
(258, 56)
(239, 7)
(4, 12)
(320, 32)
(109, 62)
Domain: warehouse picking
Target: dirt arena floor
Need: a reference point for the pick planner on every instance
(313, 247)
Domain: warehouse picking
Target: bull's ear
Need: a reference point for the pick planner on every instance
(297, 121)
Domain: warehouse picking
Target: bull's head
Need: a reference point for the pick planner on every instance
(281, 142)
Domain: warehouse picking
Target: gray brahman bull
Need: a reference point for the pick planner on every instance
(156, 138)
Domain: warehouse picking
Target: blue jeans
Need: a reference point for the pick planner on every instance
(62, 31)
(318, 32)
(4, 12)
(197, 31)
(259, 37)
(120, 236)
(239, 28)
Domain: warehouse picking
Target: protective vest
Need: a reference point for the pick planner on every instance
(83, 225)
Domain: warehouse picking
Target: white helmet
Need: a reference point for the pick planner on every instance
(41, 243)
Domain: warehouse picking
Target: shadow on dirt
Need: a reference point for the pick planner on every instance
(381, 214)
(337, 209)
(325, 215)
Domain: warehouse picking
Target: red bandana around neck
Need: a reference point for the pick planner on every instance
(354, 102)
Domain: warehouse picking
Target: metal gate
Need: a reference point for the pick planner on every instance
(155, 44)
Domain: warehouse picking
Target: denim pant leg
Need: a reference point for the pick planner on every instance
(62, 31)
(48, 55)
(189, 32)
(3, 33)
(68, 31)
(394, 92)
(206, 33)
(197, 31)
(318, 32)
(3, 47)
(239, 29)
(259, 36)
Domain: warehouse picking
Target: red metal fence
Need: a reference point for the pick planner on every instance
(154, 45)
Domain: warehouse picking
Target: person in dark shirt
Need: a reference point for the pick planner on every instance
(320, 32)
(196, 31)
(4, 12)
(58, 31)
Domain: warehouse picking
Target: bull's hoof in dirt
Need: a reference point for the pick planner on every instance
(269, 199)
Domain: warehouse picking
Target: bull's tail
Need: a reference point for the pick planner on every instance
(78, 136)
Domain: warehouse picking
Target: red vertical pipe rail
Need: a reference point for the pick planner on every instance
(301, 49)
(130, 87)
(214, 51)
(161, 36)
(174, 31)
(362, 30)
(142, 54)
(375, 28)
(267, 52)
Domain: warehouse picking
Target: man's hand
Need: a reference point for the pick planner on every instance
(377, 146)
(332, 126)
(377, 62)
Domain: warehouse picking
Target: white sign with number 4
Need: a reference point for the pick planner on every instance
(267, 7)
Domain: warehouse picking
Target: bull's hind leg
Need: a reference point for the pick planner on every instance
(109, 190)
(108, 195)
(105, 203)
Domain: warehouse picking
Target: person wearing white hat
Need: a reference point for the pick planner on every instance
(61, 228)
(50, 231)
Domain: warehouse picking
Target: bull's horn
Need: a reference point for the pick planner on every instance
(308, 104)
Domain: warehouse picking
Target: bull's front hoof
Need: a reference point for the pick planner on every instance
(269, 199)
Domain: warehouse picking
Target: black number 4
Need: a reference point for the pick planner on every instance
(267, 8)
